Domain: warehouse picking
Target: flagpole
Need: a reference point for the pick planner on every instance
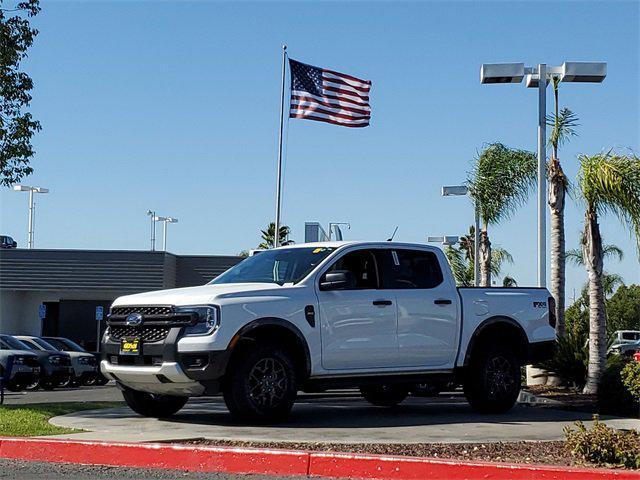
(276, 239)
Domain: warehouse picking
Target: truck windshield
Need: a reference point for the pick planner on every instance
(286, 265)
(9, 343)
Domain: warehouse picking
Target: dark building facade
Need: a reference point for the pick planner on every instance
(67, 292)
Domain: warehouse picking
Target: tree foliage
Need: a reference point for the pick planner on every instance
(268, 236)
(501, 181)
(17, 125)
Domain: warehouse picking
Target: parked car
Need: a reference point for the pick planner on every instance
(85, 364)
(382, 316)
(7, 242)
(55, 366)
(25, 369)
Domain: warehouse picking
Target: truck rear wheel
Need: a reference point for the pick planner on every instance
(261, 385)
(152, 405)
(493, 380)
(384, 395)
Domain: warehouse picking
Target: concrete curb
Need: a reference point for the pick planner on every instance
(286, 462)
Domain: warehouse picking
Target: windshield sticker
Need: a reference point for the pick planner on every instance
(319, 249)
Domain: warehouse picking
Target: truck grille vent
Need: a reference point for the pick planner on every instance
(143, 310)
(146, 334)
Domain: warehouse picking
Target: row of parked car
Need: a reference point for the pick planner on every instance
(29, 363)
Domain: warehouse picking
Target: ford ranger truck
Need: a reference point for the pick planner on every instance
(384, 317)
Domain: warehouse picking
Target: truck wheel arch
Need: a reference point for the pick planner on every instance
(503, 326)
(278, 330)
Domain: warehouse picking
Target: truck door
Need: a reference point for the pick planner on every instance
(358, 322)
(427, 307)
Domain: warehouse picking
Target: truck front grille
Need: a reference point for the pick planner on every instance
(152, 310)
(144, 333)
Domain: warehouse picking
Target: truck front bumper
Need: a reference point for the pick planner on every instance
(161, 369)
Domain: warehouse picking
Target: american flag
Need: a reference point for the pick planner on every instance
(328, 96)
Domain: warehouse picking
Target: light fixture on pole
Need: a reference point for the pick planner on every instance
(461, 190)
(152, 215)
(31, 190)
(165, 221)
(593, 72)
(337, 229)
(446, 240)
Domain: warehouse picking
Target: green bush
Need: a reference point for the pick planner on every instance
(613, 396)
(604, 446)
(631, 378)
(569, 361)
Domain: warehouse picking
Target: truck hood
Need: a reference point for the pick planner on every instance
(202, 295)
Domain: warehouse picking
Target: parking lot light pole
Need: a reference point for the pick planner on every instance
(165, 221)
(152, 215)
(538, 77)
(446, 240)
(31, 190)
(460, 190)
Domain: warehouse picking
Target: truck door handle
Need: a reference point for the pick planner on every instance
(442, 301)
(382, 302)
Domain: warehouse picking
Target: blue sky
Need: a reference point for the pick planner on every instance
(174, 106)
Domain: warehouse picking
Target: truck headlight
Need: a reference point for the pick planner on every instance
(86, 360)
(208, 320)
(55, 359)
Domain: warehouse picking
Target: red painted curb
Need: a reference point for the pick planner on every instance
(201, 459)
(344, 465)
(287, 462)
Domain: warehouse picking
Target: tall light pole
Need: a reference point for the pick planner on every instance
(460, 190)
(538, 77)
(31, 190)
(152, 215)
(165, 221)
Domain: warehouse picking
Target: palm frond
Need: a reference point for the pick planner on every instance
(462, 270)
(499, 256)
(509, 281)
(501, 181)
(576, 257)
(563, 126)
(610, 183)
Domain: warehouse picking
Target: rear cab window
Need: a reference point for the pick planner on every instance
(409, 269)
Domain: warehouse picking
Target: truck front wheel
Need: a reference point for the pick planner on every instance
(261, 385)
(493, 381)
(151, 405)
(384, 395)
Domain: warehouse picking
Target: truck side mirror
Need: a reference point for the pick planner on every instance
(14, 244)
(338, 280)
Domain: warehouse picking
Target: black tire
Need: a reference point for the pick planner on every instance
(384, 395)
(152, 405)
(14, 386)
(493, 381)
(33, 386)
(101, 380)
(261, 385)
(47, 385)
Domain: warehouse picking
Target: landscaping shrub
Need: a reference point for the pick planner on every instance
(613, 396)
(569, 361)
(631, 378)
(604, 446)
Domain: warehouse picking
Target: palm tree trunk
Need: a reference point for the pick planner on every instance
(557, 193)
(485, 259)
(592, 250)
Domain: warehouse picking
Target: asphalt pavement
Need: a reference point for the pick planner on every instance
(106, 393)
(16, 469)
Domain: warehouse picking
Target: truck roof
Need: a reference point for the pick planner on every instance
(354, 242)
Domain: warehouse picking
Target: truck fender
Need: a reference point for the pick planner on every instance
(274, 322)
(498, 320)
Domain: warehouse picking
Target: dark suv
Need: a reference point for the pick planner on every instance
(7, 242)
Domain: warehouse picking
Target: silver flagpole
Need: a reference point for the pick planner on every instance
(276, 239)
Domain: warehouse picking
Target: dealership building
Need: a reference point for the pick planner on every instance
(68, 293)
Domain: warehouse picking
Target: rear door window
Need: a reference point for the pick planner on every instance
(409, 269)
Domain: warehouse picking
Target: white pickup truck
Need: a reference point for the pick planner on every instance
(383, 317)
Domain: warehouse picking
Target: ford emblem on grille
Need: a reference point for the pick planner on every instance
(133, 319)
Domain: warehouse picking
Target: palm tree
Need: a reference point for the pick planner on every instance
(610, 281)
(608, 183)
(562, 124)
(268, 236)
(499, 183)
(461, 260)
